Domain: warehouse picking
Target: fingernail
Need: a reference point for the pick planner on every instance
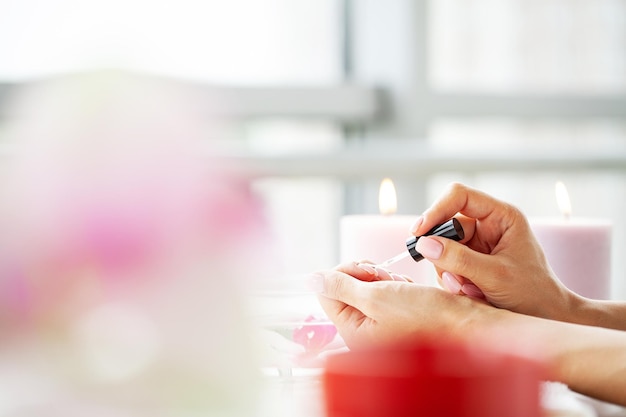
(315, 282)
(383, 274)
(450, 282)
(398, 277)
(472, 290)
(416, 225)
(367, 268)
(430, 248)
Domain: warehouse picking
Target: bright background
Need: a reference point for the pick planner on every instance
(505, 95)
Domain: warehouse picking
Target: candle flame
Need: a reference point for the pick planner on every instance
(562, 199)
(387, 200)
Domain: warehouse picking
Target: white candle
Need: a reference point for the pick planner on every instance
(379, 237)
(578, 249)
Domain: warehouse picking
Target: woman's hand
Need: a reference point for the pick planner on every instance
(499, 255)
(367, 310)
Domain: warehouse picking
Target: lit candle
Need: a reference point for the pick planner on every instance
(578, 249)
(379, 237)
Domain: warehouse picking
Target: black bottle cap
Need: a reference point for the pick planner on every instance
(451, 229)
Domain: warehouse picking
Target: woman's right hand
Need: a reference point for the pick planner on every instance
(499, 255)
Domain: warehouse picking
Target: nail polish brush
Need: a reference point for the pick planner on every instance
(451, 229)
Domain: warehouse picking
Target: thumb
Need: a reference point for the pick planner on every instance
(348, 297)
(455, 257)
(340, 286)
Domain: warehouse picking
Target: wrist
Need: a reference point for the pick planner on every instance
(573, 309)
(565, 305)
(516, 333)
(483, 321)
(599, 313)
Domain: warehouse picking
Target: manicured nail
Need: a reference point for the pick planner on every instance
(398, 277)
(315, 282)
(383, 274)
(450, 282)
(429, 247)
(472, 290)
(367, 268)
(413, 230)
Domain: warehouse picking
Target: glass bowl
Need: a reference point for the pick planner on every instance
(292, 331)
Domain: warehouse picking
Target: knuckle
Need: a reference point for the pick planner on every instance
(512, 211)
(513, 215)
(334, 285)
(456, 187)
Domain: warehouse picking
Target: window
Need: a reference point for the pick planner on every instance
(506, 95)
(497, 87)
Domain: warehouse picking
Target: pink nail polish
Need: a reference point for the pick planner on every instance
(383, 274)
(367, 268)
(450, 282)
(472, 290)
(429, 247)
(398, 277)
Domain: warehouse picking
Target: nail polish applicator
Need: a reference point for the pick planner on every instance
(451, 229)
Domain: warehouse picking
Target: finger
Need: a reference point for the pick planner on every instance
(401, 277)
(339, 312)
(469, 227)
(440, 273)
(364, 270)
(454, 257)
(331, 299)
(365, 297)
(383, 274)
(456, 284)
(339, 285)
(458, 198)
(351, 263)
(468, 224)
(451, 282)
(471, 290)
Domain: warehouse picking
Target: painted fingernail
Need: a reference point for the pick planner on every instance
(383, 274)
(315, 282)
(416, 225)
(450, 282)
(429, 247)
(398, 277)
(367, 268)
(472, 290)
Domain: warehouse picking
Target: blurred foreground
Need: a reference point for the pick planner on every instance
(120, 255)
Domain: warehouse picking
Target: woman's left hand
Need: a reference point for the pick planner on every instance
(367, 310)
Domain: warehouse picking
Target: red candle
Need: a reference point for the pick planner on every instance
(431, 377)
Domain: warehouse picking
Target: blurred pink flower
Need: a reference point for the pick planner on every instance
(113, 178)
(315, 336)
